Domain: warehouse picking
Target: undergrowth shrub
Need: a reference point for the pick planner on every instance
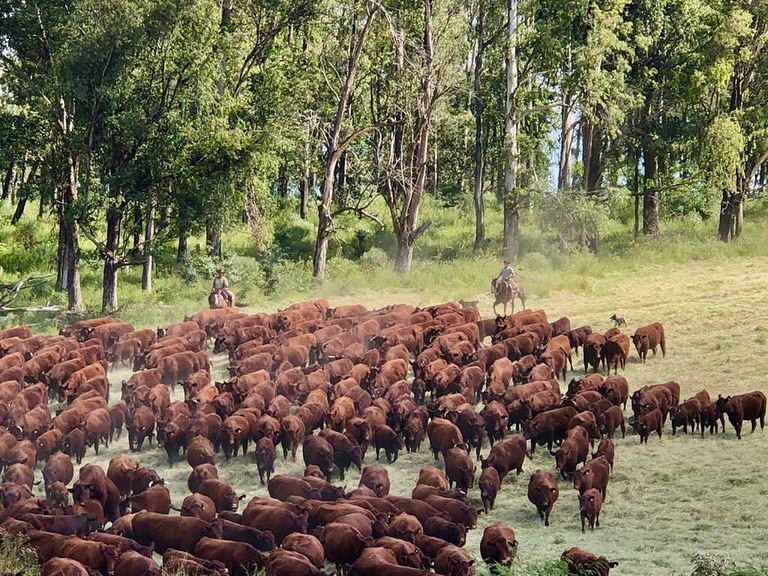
(17, 557)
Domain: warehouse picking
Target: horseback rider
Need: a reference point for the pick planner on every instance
(506, 275)
(221, 286)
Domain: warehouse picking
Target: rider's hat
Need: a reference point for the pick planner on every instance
(219, 270)
(506, 261)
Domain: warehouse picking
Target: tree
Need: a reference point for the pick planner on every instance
(339, 138)
(512, 196)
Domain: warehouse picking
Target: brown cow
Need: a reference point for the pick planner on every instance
(377, 479)
(647, 423)
(131, 563)
(308, 546)
(177, 532)
(73, 444)
(594, 474)
(605, 449)
(199, 474)
(593, 351)
(64, 567)
(490, 484)
(199, 506)
(498, 545)
(615, 352)
(156, 498)
(405, 527)
(750, 406)
(122, 352)
(97, 426)
(120, 471)
(650, 337)
(549, 427)
(58, 468)
(459, 468)
(590, 503)
(573, 449)
(287, 563)
(610, 420)
(141, 426)
(200, 451)
(265, 458)
(240, 558)
(443, 435)
(507, 455)
(446, 530)
(543, 493)
(685, 413)
(221, 492)
(579, 561)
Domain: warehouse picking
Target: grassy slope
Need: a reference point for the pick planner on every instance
(666, 500)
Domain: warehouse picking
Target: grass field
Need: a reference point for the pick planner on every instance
(667, 500)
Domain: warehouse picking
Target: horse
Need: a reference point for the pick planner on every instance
(504, 294)
(217, 300)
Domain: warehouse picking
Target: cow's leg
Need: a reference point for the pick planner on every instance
(754, 424)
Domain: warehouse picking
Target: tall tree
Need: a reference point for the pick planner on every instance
(512, 196)
(339, 136)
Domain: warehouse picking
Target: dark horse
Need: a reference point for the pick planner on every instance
(504, 294)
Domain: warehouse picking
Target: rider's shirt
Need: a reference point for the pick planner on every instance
(507, 272)
(219, 283)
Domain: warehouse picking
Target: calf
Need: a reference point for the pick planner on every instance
(590, 503)
(543, 493)
(265, 458)
(490, 484)
(647, 423)
(685, 413)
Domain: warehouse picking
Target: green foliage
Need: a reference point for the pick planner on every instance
(575, 218)
(721, 564)
(16, 557)
(723, 149)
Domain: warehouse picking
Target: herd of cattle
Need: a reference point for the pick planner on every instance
(386, 379)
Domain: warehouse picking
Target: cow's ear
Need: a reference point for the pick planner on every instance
(242, 497)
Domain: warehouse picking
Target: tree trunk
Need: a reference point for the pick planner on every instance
(404, 257)
(728, 212)
(511, 144)
(636, 192)
(409, 230)
(304, 186)
(149, 237)
(181, 251)
(650, 192)
(333, 151)
(61, 252)
(341, 181)
(7, 181)
(282, 181)
(213, 238)
(109, 289)
(137, 226)
(478, 110)
(74, 293)
(324, 221)
(566, 141)
(19, 212)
